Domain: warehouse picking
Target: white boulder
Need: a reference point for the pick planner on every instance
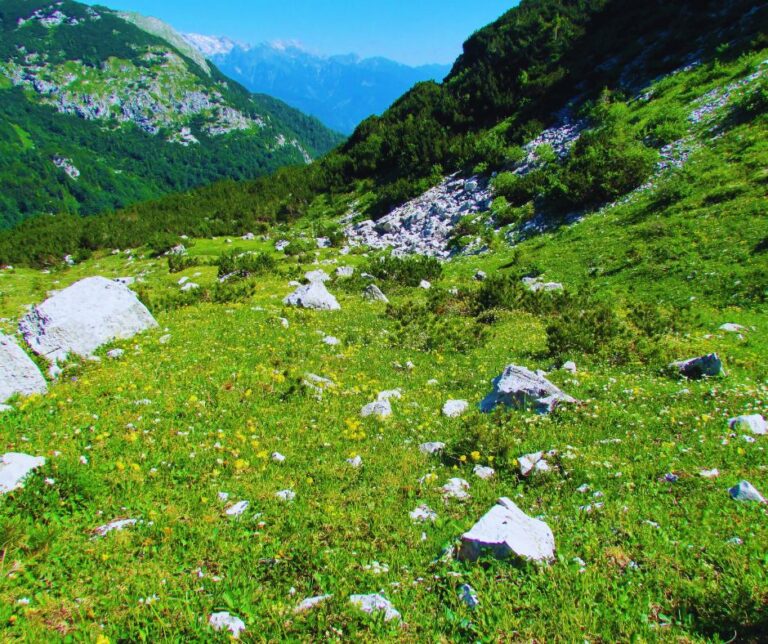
(506, 531)
(375, 604)
(313, 296)
(380, 409)
(745, 491)
(223, 621)
(754, 423)
(310, 603)
(697, 368)
(83, 317)
(520, 388)
(373, 293)
(455, 408)
(18, 373)
(15, 468)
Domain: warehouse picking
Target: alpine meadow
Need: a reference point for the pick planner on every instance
(491, 369)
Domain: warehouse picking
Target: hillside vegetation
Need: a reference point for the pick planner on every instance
(648, 220)
(439, 128)
(97, 114)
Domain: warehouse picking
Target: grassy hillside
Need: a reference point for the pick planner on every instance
(653, 222)
(130, 116)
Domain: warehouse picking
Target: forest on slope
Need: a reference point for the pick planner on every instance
(96, 114)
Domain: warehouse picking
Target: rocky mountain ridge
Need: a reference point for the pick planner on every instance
(340, 90)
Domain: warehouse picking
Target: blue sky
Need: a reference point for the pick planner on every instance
(410, 31)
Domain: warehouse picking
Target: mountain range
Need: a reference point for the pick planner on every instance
(341, 90)
(101, 109)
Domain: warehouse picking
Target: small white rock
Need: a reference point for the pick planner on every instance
(483, 472)
(456, 488)
(755, 423)
(375, 604)
(431, 448)
(355, 461)
(15, 468)
(455, 408)
(380, 409)
(118, 525)
(468, 596)
(745, 491)
(423, 514)
(311, 603)
(238, 509)
(224, 621)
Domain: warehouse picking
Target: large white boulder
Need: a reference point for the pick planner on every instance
(506, 531)
(18, 373)
(521, 388)
(15, 468)
(313, 296)
(83, 317)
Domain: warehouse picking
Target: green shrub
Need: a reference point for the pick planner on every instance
(300, 247)
(245, 264)
(417, 327)
(405, 271)
(587, 328)
(178, 263)
(668, 125)
(604, 164)
(161, 243)
(753, 100)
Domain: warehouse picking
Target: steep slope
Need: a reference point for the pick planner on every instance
(341, 91)
(540, 58)
(99, 110)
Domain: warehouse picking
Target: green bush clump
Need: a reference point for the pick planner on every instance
(300, 247)
(417, 327)
(405, 271)
(245, 264)
(665, 126)
(178, 263)
(753, 100)
(592, 328)
(606, 163)
(160, 243)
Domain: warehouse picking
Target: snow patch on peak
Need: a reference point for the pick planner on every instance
(210, 45)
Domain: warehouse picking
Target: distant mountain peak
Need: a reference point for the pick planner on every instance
(212, 45)
(341, 90)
